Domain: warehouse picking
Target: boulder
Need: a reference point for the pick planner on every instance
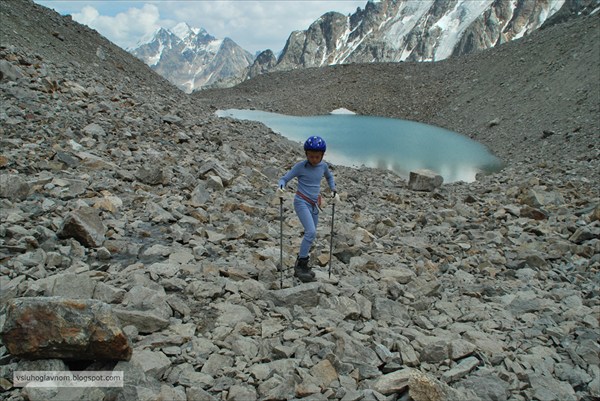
(306, 295)
(64, 328)
(424, 180)
(392, 383)
(151, 175)
(13, 187)
(85, 225)
(217, 169)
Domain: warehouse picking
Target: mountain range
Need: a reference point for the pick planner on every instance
(191, 58)
(384, 31)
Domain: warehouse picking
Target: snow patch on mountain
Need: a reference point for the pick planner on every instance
(183, 30)
(454, 23)
(153, 60)
(400, 24)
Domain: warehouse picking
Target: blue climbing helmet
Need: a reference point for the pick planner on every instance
(315, 143)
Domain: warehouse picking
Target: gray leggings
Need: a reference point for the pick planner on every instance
(309, 217)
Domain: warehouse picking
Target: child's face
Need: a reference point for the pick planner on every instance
(314, 157)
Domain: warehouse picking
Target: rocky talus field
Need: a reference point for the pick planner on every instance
(139, 233)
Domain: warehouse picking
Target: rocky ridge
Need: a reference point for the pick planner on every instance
(397, 30)
(117, 188)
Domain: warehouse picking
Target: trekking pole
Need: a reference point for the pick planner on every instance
(331, 239)
(281, 243)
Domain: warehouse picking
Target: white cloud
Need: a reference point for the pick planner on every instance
(125, 28)
(254, 25)
(258, 25)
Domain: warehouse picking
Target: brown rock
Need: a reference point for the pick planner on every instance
(533, 213)
(57, 327)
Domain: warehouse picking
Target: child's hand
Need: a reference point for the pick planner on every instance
(335, 199)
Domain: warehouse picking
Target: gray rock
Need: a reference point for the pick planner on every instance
(594, 385)
(280, 367)
(94, 130)
(353, 351)
(241, 392)
(85, 225)
(153, 363)
(69, 285)
(306, 295)
(435, 351)
(231, 314)
(538, 198)
(171, 119)
(387, 310)
(9, 71)
(546, 388)
(214, 182)
(200, 195)
(217, 169)
(143, 298)
(144, 321)
(575, 376)
(151, 175)
(13, 187)
(487, 386)
(190, 378)
(197, 393)
(172, 393)
(392, 383)
(461, 348)
(241, 345)
(424, 180)
(276, 387)
(408, 354)
(108, 293)
(463, 368)
(217, 364)
(346, 307)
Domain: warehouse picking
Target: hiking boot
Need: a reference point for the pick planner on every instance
(303, 262)
(302, 271)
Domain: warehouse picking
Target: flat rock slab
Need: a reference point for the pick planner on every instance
(306, 295)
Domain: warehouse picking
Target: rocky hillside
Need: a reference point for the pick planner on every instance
(141, 232)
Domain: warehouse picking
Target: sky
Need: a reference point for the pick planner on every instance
(254, 25)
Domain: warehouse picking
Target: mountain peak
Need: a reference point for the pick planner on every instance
(183, 30)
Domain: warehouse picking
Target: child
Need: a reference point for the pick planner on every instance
(308, 200)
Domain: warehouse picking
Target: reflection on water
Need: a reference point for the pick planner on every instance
(398, 145)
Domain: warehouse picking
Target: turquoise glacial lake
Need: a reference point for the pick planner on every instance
(398, 145)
